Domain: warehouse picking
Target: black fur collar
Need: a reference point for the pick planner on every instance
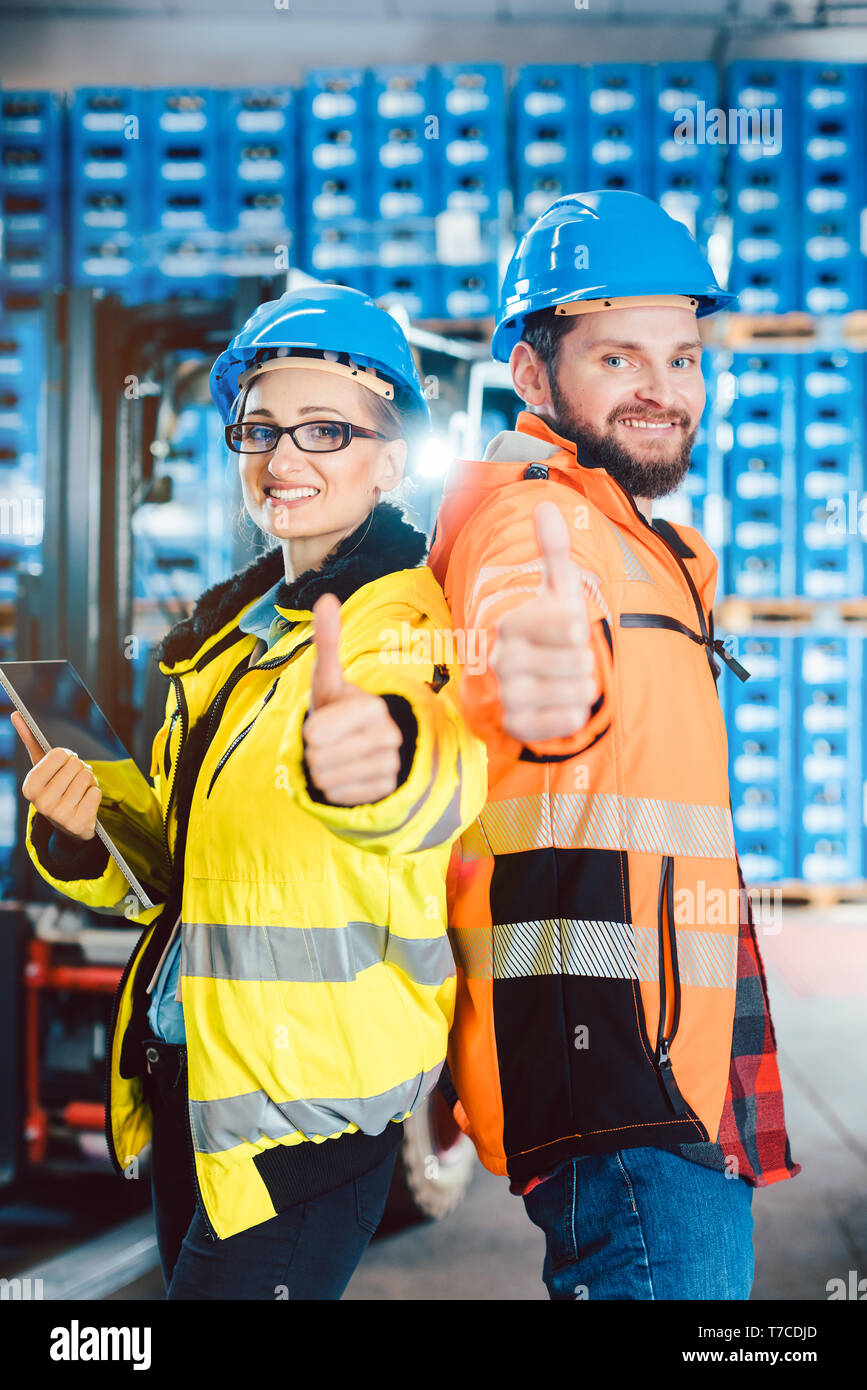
(378, 546)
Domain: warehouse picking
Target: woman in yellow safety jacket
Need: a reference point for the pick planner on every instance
(288, 1003)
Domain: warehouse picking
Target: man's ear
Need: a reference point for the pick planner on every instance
(530, 376)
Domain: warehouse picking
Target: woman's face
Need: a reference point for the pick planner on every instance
(325, 495)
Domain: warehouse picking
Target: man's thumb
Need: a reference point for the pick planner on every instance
(328, 681)
(552, 533)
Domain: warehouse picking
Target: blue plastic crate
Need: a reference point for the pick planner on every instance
(677, 89)
(412, 286)
(615, 126)
(336, 249)
(333, 97)
(468, 292)
(109, 262)
(764, 84)
(547, 141)
(106, 116)
(472, 189)
(33, 136)
(768, 289)
(835, 570)
(760, 563)
(471, 89)
(399, 93)
(832, 287)
(37, 215)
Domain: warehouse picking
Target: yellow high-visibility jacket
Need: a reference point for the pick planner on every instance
(317, 979)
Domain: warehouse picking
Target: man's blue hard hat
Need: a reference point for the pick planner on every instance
(606, 244)
(322, 319)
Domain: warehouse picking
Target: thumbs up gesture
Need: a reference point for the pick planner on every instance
(351, 743)
(543, 658)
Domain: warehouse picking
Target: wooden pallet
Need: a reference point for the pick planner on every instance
(817, 895)
(734, 613)
(740, 331)
(795, 331)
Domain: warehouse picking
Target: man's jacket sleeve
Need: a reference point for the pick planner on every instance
(495, 566)
(443, 785)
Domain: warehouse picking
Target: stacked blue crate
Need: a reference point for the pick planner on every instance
(832, 186)
(760, 726)
(471, 178)
(830, 552)
(760, 477)
(184, 170)
(184, 545)
(547, 137)
(829, 747)
(107, 190)
(763, 185)
(403, 185)
(335, 176)
(686, 166)
(258, 140)
(32, 189)
(615, 128)
(21, 454)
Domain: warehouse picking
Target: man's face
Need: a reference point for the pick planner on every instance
(629, 393)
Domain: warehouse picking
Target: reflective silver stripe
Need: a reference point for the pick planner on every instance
(602, 820)
(600, 949)
(306, 955)
(247, 1119)
(449, 822)
(346, 834)
(707, 958)
(632, 565)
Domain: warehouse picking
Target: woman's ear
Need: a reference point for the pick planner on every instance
(392, 462)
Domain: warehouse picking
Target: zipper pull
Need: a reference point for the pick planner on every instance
(740, 671)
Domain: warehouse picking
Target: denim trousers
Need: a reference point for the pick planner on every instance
(309, 1251)
(644, 1224)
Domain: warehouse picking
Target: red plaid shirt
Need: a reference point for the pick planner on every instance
(752, 1141)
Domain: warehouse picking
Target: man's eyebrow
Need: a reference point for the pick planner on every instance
(640, 347)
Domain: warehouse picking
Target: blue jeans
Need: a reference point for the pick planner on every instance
(309, 1251)
(644, 1224)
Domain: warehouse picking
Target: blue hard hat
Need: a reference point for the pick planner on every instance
(317, 319)
(601, 245)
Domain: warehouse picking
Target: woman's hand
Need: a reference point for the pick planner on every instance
(351, 743)
(62, 787)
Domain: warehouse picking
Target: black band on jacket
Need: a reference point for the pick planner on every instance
(65, 857)
(298, 1172)
(400, 710)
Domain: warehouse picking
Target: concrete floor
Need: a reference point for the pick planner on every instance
(808, 1230)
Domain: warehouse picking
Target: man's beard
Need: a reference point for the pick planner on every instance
(653, 478)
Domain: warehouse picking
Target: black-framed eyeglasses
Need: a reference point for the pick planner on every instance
(313, 437)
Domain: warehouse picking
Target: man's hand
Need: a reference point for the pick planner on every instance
(62, 787)
(542, 656)
(351, 743)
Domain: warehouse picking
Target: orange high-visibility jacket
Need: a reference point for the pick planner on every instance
(594, 903)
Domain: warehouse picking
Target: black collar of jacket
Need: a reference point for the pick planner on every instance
(383, 543)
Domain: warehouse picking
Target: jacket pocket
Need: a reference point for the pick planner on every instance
(669, 986)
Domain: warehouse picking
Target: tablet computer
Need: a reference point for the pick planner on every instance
(61, 713)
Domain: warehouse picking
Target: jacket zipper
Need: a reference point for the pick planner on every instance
(238, 738)
(668, 956)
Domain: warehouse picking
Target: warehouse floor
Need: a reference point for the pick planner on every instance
(807, 1231)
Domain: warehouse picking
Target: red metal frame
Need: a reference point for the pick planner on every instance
(40, 974)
